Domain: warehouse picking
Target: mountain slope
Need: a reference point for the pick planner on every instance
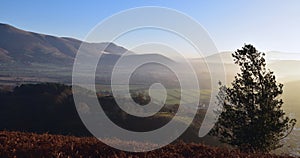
(28, 47)
(30, 56)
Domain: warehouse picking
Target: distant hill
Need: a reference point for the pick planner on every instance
(270, 56)
(25, 55)
(21, 46)
(286, 70)
(29, 56)
(281, 63)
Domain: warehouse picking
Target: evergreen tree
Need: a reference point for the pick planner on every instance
(252, 118)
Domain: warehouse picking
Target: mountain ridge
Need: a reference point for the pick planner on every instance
(19, 46)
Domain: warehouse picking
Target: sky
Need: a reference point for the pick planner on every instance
(270, 25)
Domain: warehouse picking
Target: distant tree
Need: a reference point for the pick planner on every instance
(141, 98)
(252, 118)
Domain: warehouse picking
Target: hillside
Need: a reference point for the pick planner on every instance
(19, 46)
(32, 107)
(33, 57)
(18, 144)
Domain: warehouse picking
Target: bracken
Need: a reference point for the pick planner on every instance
(18, 144)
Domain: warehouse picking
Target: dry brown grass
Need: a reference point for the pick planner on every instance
(18, 144)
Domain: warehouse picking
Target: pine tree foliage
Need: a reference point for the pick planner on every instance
(252, 118)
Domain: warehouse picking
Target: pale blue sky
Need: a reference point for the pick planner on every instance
(269, 25)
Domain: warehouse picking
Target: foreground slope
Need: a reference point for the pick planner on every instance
(17, 144)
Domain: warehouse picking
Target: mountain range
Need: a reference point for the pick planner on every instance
(21, 46)
(33, 56)
(27, 52)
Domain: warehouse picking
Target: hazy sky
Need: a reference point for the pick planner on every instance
(269, 25)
